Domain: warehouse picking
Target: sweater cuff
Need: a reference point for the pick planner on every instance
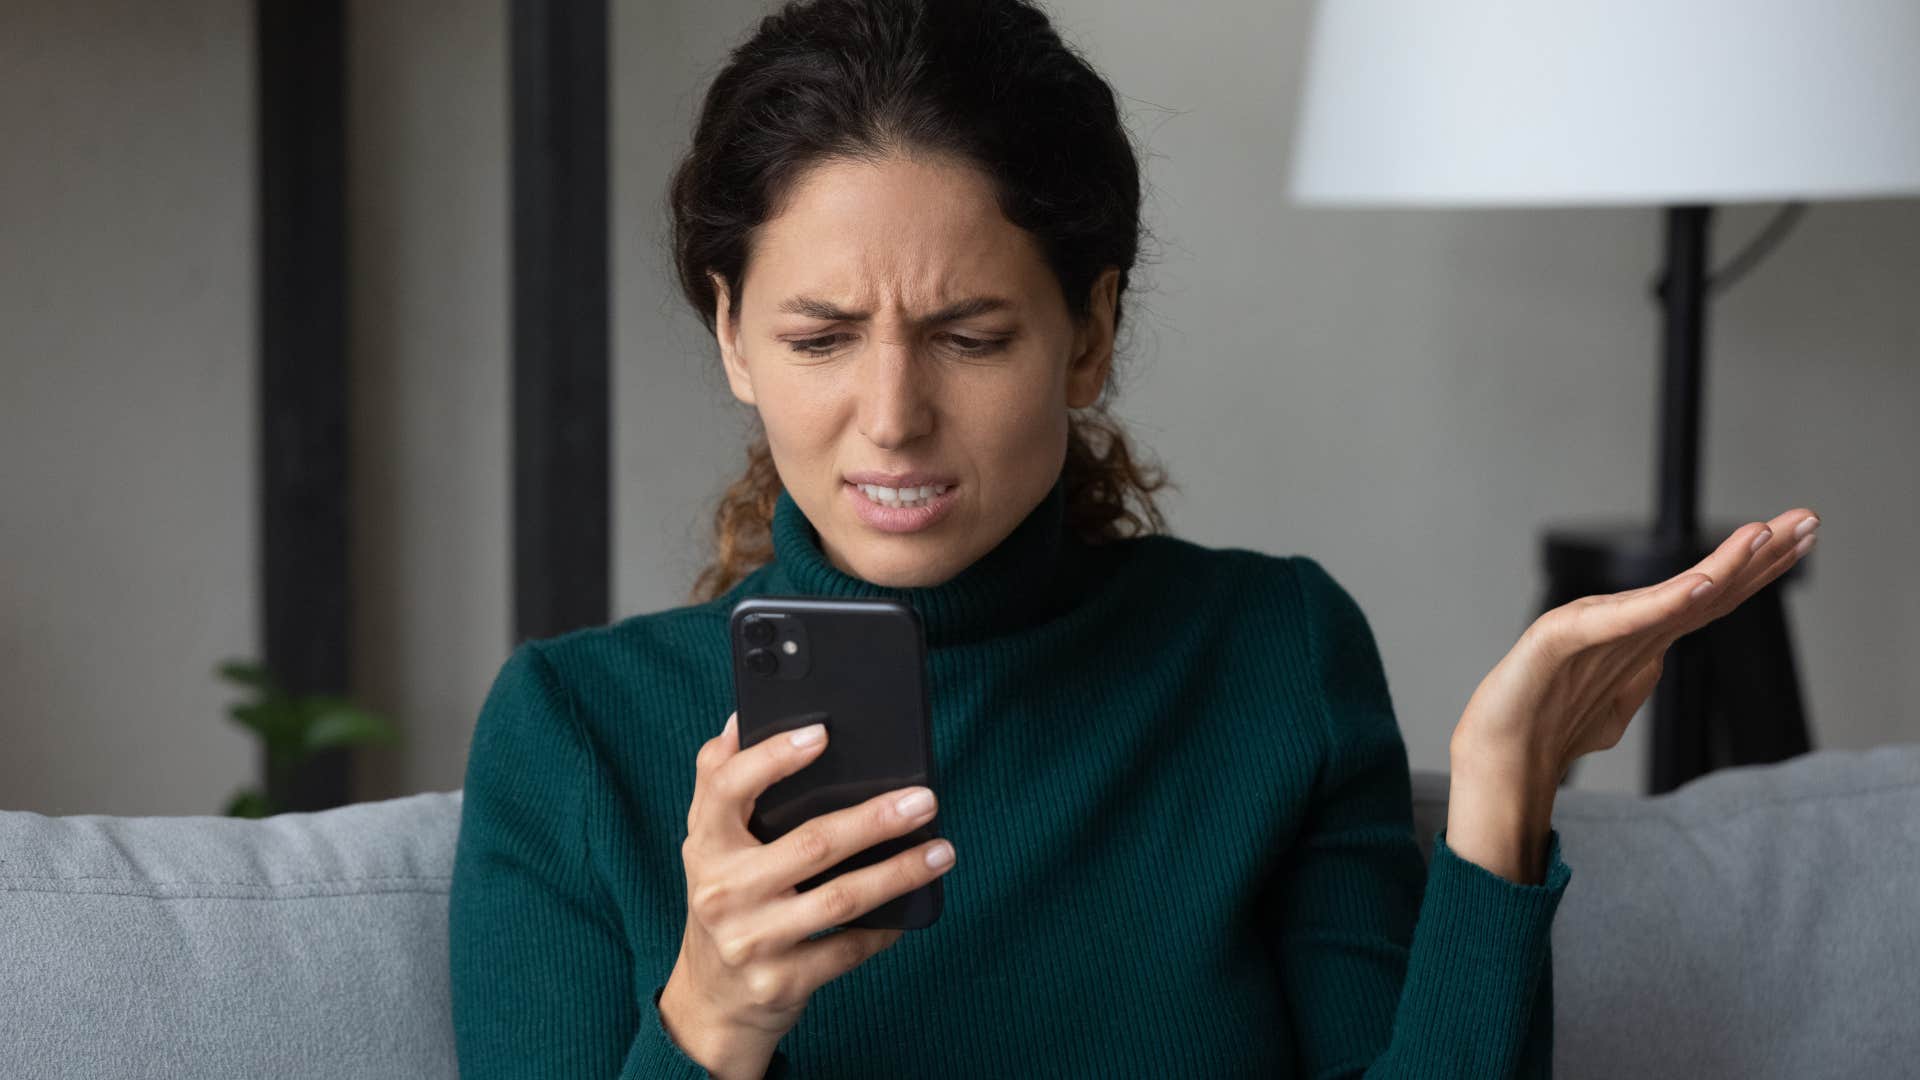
(655, 1054)
(1474, 920)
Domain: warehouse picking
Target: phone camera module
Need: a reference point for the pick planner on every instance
(770, 644)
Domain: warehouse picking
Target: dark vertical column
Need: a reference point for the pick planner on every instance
(300, 58)
(1683, 301)
(561, 400)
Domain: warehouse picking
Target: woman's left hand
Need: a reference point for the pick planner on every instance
(1577, 676)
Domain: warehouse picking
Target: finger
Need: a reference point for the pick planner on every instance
(731, 787)
(1779, 536)
(1681, 614)
(713, 753)
(848, 896)
(1715, 604)
(1735, 552)
(1776, 557)
(824, 841)
(818, 963)
(1717, 567)
(1658, 639)
(1621, 616)
(1733, 571)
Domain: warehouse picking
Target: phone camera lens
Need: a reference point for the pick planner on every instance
(762, 661)
(758, 631)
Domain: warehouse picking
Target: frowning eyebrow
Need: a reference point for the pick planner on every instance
(821, 309)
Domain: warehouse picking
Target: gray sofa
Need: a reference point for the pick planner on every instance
(1760, 922)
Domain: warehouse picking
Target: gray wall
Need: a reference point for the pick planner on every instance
(427, 196)
(1405, 395)
(127, 541)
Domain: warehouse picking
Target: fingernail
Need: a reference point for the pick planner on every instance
(914, 803)
(808, 735)
(1806, 527)
(728, 730)
(1701, 589)
(940, 854)
(1758, 541)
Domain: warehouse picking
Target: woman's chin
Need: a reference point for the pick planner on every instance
(909, 569)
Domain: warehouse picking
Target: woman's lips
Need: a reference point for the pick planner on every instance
(900, 519)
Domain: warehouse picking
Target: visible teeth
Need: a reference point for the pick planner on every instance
(903, 497)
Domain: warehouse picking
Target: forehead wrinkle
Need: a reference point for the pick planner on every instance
(860, 262)
(940, 299)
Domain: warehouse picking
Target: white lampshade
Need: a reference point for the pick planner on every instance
(1511, 102)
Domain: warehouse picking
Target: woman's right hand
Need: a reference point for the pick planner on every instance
(746, 969)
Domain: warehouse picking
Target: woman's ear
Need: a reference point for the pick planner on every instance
(739, 380)
(1092, 359)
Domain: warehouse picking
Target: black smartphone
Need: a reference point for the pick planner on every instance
(859, 667)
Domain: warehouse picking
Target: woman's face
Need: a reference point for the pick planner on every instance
(897, 329)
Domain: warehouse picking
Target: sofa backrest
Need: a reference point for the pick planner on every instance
(301, 945)
(1759, 922)
(1762, 921)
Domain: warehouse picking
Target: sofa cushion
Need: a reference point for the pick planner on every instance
(301, 945)
(1761, 921)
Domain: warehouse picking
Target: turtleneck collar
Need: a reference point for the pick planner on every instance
(1021, 580)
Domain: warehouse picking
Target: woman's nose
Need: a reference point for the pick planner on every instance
(895, 407)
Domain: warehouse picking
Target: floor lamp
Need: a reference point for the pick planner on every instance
(1682, 107)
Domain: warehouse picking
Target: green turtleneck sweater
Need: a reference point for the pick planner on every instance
(1180, 809)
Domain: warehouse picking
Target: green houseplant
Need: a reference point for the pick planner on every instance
(293, 727)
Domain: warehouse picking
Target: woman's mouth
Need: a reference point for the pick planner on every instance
(908, 497)
(900, 510)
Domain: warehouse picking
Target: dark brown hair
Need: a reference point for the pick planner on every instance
(988, 82)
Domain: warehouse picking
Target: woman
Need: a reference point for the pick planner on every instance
(1173, 797)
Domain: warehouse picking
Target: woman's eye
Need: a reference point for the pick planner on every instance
(812, 346)
(978, 346)
(820, 346)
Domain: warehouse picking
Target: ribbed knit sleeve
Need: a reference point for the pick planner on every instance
(1391, 968)
(542, 975)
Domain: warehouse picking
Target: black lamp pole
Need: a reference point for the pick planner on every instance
(1682, 293)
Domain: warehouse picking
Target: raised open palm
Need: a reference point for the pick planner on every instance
(1581, 671)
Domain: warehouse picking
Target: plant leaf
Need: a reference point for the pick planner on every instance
(254, 715)
(274, 720)
(249, 803)
(314, 706)
(247, 673)
(337, 723)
